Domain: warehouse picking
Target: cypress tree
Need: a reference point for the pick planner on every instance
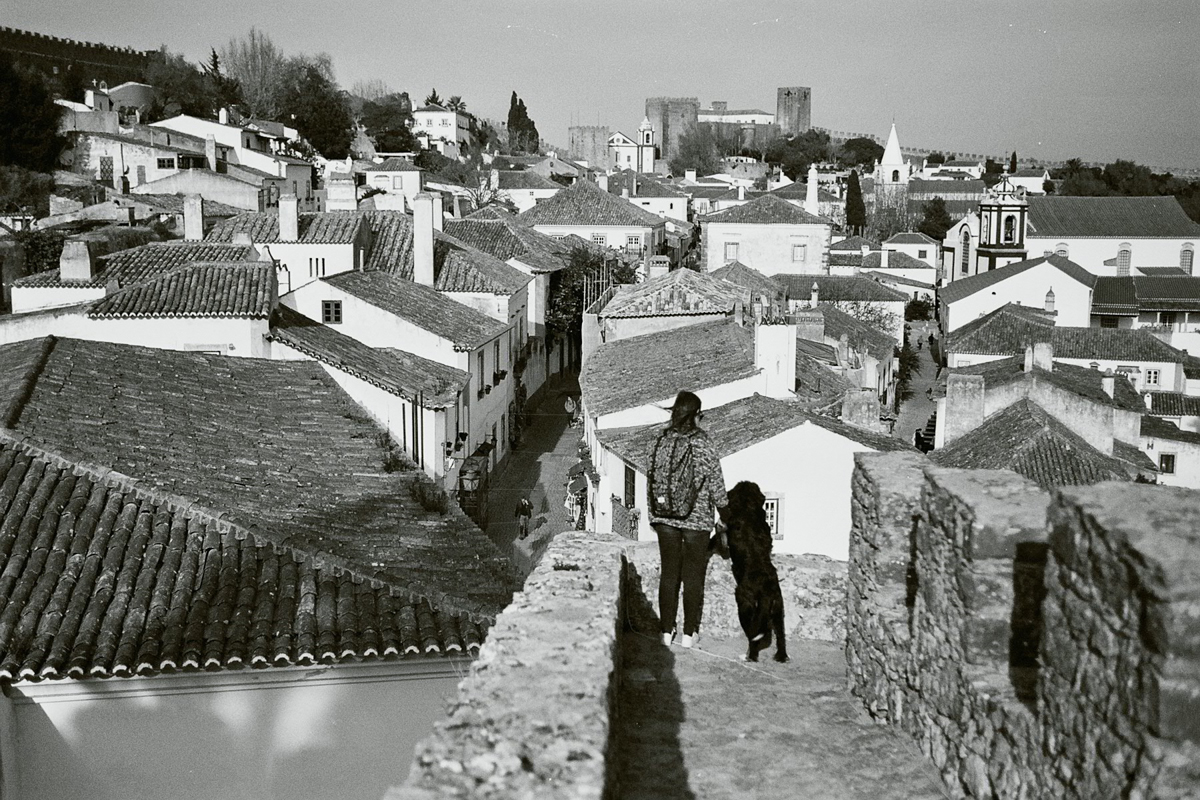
(1012, 163)
(856, 210)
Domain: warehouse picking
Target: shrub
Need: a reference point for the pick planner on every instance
(431, 496)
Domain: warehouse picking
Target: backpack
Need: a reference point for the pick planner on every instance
(672, 476)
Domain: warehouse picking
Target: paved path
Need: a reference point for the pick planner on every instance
(915, 411)
(537, 470)
(702, 725)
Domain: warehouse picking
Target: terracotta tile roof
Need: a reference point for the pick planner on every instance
(860, 335)
(855, 244)
(845, 259)
(749, 278)
(655, 366)
(886, 277)
(896, 260)
(1131, 454)
(817, 386)
(1082, 381)
(395, 371)
(1030, 442)
(271, 446)
(326, 227)
(135, 584)
(1029, 172)
(1158, 272)
(173, 204)
(766, 209)
(735, 426)
(1109, 217)
(1165, 429)
(18, 374)
(426, 308)
(457, 266)
(1174, 404)
(498, 234)
(680, 292)
(965, 287)
(1008, 329)
(911, 237)
(640, 185)
(190, 147)
(585, 203)
(146, 262)
(817, 351)
(524, 179)
(200, 289)
(1129, 295)
(838, 288)
(799, 191)
(393, 164)
(923, 189)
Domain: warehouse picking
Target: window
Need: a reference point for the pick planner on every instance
(1109, 322)
(633, 241)
(1061, 249)
(922, 254)
(397, 182)
(1124, 256)
(774, 509)
(895, 176)
(799, 253)
(1166, 318)
(731, 251)
(985, 227)
(600, 239)
(331, 312)
(966, 251)
(479, 360)
(1010, 229)
(630, 487)
(1152, 377)
(1166, 463)
(166, 163)
(316, 267)
(1186, 254)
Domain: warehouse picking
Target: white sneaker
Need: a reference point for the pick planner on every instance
(668, 638)
(689, 639)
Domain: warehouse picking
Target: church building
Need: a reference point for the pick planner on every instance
(626, 153)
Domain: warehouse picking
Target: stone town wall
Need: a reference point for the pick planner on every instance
(1034, 646)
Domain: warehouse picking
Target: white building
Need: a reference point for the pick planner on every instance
(767, 234)
(1054, 284)
(524, 188)
(397, 177)
(635, 154)
(594, 215)
(440, 123)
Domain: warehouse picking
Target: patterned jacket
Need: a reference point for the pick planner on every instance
(712, 495)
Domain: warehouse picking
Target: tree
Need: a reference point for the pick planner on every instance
(868, 313)
(29, 135)
(225, 88)
(856, 210)
(387, 121)
(796, 154)
(373, 90)
(1012, 163)
(433, 98)
(1129, 179)
(522, 132)
(859, 152)
(935, 158)
(483, 194)
(23, 190)
(701, 147)
(935, 219)
(564, 304)
(1083, 184)
(260, 70)
(887, 219)
(455, 103)
(181, 88)
(918, 309)
(320, 110)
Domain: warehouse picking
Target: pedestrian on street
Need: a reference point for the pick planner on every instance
(523, 513)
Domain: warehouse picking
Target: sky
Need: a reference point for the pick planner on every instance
(1051, 79)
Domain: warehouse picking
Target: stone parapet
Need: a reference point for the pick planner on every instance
(1034, 646)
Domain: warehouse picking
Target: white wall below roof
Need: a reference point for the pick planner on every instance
(932, 251)
(710, 397)
(1072, 300)
(211, 186)
(344, 731)
(1170, 377)
(768, 248)
(1187, 460)
(1091, 253)
(615, 235)
(304, 261)
(34, 298)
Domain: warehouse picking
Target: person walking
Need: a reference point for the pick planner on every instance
(523, 513)
(686, 488)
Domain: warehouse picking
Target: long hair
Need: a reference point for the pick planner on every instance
(684, 412)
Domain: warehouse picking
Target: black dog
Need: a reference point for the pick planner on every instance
(759, 598)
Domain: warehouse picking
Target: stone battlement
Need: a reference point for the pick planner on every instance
(1033, 645)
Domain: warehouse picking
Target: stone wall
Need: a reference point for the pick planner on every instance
(1034, 646)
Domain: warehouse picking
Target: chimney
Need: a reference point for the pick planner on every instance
(76, 262)
(223, 116)
(439, 215)
(423, 239)
(625, 193)
(1146, 398)
(193, 218)
(775, 356)
(289, 218)
(860, 408)
(815, 296)
(1108, 381)
(1043, 356)
(1050, 299)
(964, 405)
(810, 325)
(689, 175)
(494, 179)
(883, 258)
(210, 152)
(810, 195)
(456, 205)
(741, 193)
(866, 250)
(602, 181)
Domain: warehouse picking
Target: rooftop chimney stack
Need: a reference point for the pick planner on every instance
(210, 152)
(689, 175)
(439, 214)
(193, 218)
(423, 239)
(815, 296)
(741, 193)
(964, 405)
(602, 181)
(223, 116)
(810, 195)
(1050, 300)
(76, 262)
(883, 258)
(289, 218)
(866, 250)
(1109, 382)
(775, 356)
(1043, 356)
(860, 408)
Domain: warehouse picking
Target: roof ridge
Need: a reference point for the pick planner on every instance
(28, 382)
(226, 522)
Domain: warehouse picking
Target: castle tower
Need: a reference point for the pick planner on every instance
(589, 143)
(793, 109)
(670, 118)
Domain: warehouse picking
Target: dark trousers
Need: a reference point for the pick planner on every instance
(684, 556)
